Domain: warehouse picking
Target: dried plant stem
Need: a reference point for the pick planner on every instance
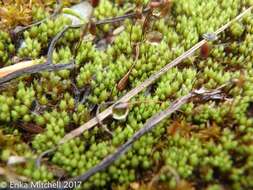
(12, 68)
(56, 39)
(33, 69)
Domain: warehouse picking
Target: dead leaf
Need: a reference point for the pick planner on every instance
(124, 81)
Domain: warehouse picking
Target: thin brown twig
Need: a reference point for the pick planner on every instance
(35, 69)
(91, 123)
(55, 40)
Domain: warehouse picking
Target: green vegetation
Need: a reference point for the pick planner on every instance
(207, 145)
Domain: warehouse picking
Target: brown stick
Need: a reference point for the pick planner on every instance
(28, 69)
(12, 68)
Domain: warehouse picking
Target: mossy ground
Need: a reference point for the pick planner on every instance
(205, 145)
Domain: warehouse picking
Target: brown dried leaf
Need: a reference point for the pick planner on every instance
(205, 50)
(124, 81)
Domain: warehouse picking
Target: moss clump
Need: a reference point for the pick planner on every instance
(6, 49)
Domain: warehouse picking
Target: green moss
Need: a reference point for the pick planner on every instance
(206, 143)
